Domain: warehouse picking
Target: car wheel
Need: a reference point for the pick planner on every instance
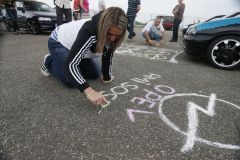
(224, 52)
(32, 27)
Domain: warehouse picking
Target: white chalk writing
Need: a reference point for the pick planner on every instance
(161, 54)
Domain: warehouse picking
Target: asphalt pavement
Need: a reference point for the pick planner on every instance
(164, 105)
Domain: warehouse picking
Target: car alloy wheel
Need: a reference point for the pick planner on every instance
(224, 52)
(32, 27)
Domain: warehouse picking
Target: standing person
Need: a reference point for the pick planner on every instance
(63, 7)
(11, 11)
(149, 32)
(134, 7)
(178, 16)
(101, 5)
(77, 47)
(81, 9)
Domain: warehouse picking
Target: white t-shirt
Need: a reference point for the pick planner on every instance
(67, 33)
(101, 4)
(151, 27)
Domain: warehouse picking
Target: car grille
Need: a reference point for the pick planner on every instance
(54, 19)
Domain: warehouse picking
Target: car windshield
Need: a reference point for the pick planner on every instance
(38, 6)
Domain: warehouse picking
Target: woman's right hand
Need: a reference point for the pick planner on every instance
(95, 97)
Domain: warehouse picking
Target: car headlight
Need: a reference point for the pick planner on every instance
(44, 19)
(192, 30)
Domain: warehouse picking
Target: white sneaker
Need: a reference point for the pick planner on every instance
(158, 44)
(112, 78)
(44, 69)
(130, 40)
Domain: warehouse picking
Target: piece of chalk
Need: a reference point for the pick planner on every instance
(103, 106)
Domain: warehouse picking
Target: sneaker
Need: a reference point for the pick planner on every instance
(173, 40)
(158, 45)
(112, 78)
(44, 69)
(133, 34)
(130, 40)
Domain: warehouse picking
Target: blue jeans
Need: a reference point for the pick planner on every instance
(88, 67)
(130, 27)
(153, 36)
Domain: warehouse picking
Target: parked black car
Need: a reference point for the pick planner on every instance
(33, 16)
(218, 40)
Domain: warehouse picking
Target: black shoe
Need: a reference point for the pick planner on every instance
(172, 40)
(130, 36)
(133, 34)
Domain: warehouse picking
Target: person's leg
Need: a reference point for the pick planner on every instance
(55, 61)
(176, 24)
(90, 68)
(156, 37)
(75, 15)
(81, 14)
(68, 15)
(130, 27)
(59, 12)
(10, 20)
(14, 18)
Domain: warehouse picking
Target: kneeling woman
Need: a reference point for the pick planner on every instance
(77, 47)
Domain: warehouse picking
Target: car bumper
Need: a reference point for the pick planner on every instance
(196, 45)
(47, 25)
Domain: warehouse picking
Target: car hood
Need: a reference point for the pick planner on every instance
(44, 14)
(218, 23)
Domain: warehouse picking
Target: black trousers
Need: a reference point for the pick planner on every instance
(176, 24)
(12, 13)
(66, 11)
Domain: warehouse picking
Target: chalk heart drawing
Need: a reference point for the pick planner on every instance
(192, 112)
(152, 53)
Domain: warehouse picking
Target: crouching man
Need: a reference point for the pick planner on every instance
(153, 30)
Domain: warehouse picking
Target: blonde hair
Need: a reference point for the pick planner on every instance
(113, 16)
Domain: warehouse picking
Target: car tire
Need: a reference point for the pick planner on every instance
(224, 52)
(32, 27)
